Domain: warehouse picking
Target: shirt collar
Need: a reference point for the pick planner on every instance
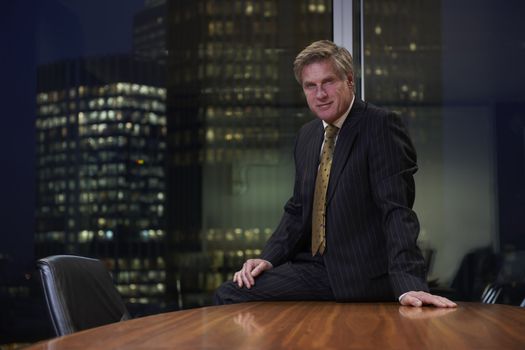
(341, 120)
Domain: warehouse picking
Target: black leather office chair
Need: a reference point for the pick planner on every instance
(509, 286)
(491, 293)
(79, 293)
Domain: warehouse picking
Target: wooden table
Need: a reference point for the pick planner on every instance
(311, 325)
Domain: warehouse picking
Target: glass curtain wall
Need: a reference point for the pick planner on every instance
(451, 70)
(162, 134)
(170, 159)
(400, 56)
(233, 110)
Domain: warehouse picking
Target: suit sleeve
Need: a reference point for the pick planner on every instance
(281, 244)
(392, 165)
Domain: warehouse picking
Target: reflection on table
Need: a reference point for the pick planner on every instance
(307, 325)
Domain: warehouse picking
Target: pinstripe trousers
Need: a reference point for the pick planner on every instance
(303, 278)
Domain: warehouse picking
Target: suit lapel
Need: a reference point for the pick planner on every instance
(345, 140)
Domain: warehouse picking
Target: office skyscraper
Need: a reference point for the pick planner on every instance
(149, 32)
(101, 142)
(233, 110)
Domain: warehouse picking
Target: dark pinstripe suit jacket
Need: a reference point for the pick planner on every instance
(371, 230)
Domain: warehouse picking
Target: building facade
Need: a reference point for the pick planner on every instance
(101, 184)
(234, 108)
(149, 32)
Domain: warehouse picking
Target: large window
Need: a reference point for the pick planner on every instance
(453, 76)
(162, 134)
(233, 108)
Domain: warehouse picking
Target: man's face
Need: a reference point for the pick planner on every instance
(327, 94)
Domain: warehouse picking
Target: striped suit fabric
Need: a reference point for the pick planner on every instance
(371, 230)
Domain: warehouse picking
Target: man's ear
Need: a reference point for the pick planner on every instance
(350, 82)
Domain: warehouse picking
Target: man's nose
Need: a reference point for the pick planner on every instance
(320, 92)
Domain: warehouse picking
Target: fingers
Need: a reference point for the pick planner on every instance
(422, 298)
(436, 300)
(261, 266)
(246, 274)
(251, 269)
(447, 302)
(237, 279)
(409, 300)
(243, 277)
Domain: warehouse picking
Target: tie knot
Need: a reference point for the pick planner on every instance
(331, 131)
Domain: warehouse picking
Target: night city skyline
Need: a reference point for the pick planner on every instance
(46, 32)
(38, 33)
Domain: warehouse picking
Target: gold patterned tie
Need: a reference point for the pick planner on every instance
(321, 185)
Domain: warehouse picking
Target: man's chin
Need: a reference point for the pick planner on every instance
(326, 118)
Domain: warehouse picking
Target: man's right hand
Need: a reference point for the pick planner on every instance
(251, 269)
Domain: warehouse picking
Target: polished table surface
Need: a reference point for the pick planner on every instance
(311, 325)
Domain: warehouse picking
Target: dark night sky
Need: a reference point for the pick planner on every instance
(34, 32)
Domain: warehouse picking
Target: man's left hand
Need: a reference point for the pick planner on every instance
(424, 298)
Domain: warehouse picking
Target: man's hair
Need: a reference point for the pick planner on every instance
(320, 51)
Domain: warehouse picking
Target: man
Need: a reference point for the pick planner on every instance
(348, 233)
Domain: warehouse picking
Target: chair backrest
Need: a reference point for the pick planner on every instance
(491, 293)
(509, 286)
(79, 293)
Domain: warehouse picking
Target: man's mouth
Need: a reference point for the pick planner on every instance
(324, 105)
